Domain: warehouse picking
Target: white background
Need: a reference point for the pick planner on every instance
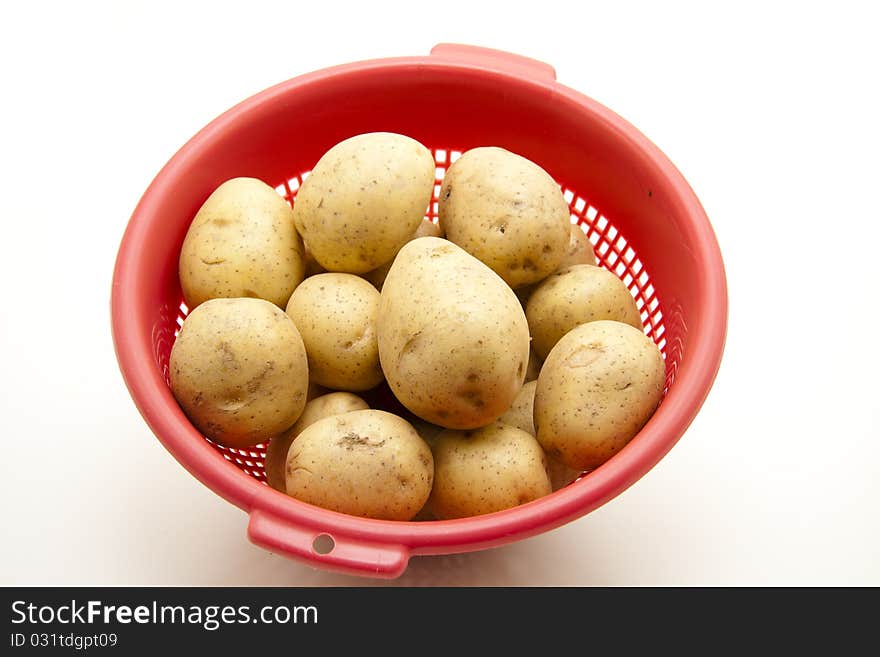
(770, 111)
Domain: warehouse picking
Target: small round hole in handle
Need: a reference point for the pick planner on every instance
(323, 544)
(350, 554)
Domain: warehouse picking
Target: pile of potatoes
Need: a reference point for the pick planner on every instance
(401, 369)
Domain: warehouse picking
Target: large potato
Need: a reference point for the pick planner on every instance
(363, 200)
(490, 469)
(598, 387)
(336, 316)
(365, 463)
(426, 229)
(508, 212)
(453, 340)
(242, 243)
(334, 403)
(574, 296)
(238, 369)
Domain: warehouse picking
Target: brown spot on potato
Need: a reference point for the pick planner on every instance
(254, 383)
(228, 358)
(352, 440)
(442, 250)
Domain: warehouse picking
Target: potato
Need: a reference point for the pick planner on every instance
(490, 469)
(238, 369)
(508, 212)
(453, 340)
(426, 229)
(598, 387)
(574, 296)
(365, 463)
(520, 413)
(336, 316)
(363, 200)
(580, 249)
(334, 403)
(241, 243)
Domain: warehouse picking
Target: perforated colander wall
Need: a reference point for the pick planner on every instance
(613, 251)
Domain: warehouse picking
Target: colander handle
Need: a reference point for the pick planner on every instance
(497, 59)
(346, 554)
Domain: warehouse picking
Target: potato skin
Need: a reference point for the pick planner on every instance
(598, 387)
(334, 403)
(241, 243)
(579, 251)
(489, 469)
(574, 296)
(336, 316)
(238, 369)
(365, 463)
(426, 229)
(363, 200)
(506, 211)
(453, 340)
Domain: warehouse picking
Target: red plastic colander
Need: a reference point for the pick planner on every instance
(644, 220)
